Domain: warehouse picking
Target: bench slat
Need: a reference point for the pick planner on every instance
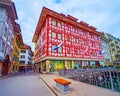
(62, 81)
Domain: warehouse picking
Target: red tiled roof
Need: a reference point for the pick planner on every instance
(25, 46)
(70, 19)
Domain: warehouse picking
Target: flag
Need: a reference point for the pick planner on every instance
(58, 46)
(101, 52)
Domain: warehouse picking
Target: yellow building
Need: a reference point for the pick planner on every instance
(18, 42)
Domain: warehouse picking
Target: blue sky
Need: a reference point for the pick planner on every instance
(102, 14)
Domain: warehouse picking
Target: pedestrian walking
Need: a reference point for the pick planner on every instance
(39, 70)
(65, 70)
(24, 70)
(5, 65)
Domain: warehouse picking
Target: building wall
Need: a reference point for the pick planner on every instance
(77, 43)
(16, 54)
(16, 51)
(114, 44)
(6, 33)
(26, 57)
(8, 28)
(80, 48)
(106, 48)
(3, 17)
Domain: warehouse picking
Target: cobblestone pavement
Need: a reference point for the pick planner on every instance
(77, 88)
(28, 84)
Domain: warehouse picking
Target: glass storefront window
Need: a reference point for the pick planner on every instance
(68, 65)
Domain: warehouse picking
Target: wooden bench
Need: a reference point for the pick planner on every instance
(62, 85)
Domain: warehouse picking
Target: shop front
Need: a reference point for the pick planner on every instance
(77, 64)
(57, 65)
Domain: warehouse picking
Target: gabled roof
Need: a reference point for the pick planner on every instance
(69, 19)
(25, 46)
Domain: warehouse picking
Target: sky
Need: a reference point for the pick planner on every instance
(102, 14)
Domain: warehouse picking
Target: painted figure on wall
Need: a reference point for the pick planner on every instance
(50, 67)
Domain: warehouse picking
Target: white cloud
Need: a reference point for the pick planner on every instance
(21, 15)
(103, 14)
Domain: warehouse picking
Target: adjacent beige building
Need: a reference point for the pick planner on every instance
(106, 48)
(114, 44)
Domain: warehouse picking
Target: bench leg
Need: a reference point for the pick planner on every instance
(62, 88)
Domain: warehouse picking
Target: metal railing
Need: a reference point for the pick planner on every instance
(106, 78)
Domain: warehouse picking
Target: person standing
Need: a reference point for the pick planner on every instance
(5, 65)
(65, 70)
(39, 70)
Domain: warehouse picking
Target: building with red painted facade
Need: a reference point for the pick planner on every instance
(80, 42)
